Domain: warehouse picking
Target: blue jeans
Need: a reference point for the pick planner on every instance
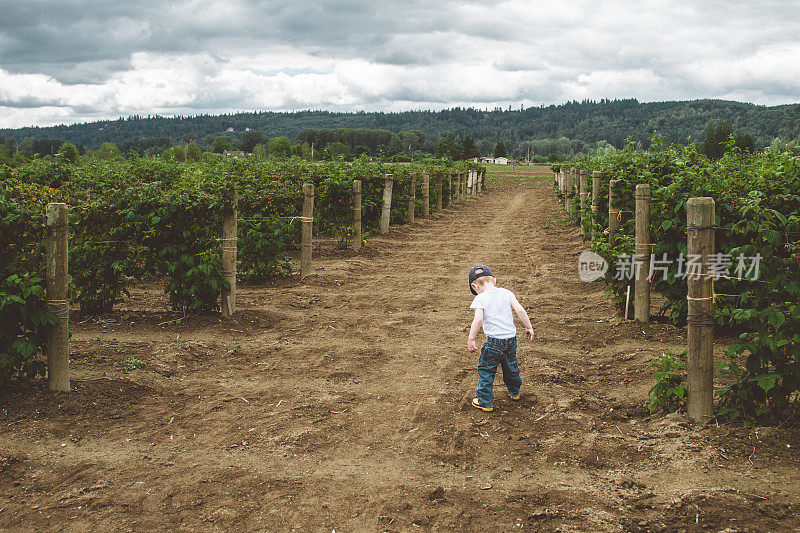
(495, 352)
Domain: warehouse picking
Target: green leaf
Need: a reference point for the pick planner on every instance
(776, 318)
(766, 381)
(24, 347)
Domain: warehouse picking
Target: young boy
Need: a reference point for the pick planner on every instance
(493, 306)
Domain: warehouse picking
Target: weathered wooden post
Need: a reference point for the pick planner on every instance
(439, 200)
(596, 177)
(450, 190)
(229, 252)
(387, 203)
(357, 215)
(426, 194)
(56, 297)
(412, 198)
(700, 358)
(613, 213)
(308, 221)
(479, 178)
(582, 215)
(576, 180)
(641, 307)
(568, 192)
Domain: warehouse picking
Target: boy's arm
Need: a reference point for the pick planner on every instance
(523, 315)
(477, 320)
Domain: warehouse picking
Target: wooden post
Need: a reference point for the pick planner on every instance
(568, 191)
(576, 186)
(596, 177)
(387, 203)
(357, 215)
(613, 213)
(449, 189)
(700, 359)
(229, 252)
(412, 198)
(439, 200)
(56, 297)
(641, 306)
(426, 194)
(308, 221)
(581, 216)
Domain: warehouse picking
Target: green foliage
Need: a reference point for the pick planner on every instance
(178, 153)
(68, 153)
(449, 147)
(193, 152)
(129, 364)
(336, 150)
(280, 147)
(669, 392)
(565, 130)
(251, 139)
(499, 150)
(220, 144)
(161, 218)
(468, 148)
(260, 152)
(23, 314)
(360, 141)
(757, 198)
(107, 151)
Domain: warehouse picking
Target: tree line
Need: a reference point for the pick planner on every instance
(545, 132)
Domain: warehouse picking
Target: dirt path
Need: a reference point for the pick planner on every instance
(342, 402)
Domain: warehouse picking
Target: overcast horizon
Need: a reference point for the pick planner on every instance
(80, 61)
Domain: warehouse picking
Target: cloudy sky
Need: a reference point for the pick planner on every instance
(80, 60)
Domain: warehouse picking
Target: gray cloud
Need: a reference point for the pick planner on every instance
(190, 56)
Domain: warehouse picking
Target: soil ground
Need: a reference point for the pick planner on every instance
(342, 402)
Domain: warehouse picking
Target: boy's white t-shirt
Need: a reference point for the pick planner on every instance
(498, 317)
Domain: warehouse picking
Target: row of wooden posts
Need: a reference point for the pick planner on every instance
(700, 243)
(56, 273)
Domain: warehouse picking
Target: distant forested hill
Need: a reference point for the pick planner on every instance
(584, 122)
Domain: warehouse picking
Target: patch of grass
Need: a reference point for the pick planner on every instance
(129, 364)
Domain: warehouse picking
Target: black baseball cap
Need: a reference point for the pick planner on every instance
(475, 275)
